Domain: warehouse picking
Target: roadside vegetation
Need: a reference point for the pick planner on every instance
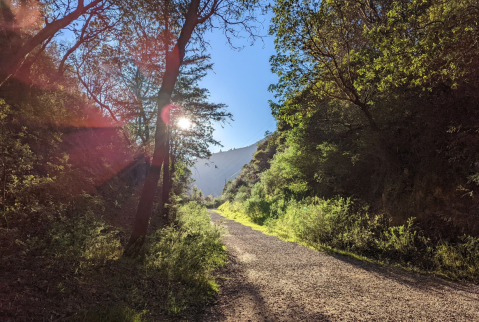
(312, 187)
(337, 225)
(209, 201)
(63, 237)
(80, 119)
(375, 151)
(305, 186)
(66, 259)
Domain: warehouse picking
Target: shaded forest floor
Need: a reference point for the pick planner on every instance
(272, 280)
(51, 282)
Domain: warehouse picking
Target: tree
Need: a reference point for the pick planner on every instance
(125, 76)
(331, 52)
(426, 43)
(190, 102)
(197, 16)
(18, 27)
(414, 66)
(353, 50)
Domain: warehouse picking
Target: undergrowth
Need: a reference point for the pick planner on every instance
(173, 272)
(188, 252)
(78, 272)
(341, 225)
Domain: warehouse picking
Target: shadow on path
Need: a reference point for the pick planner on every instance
(240, 300)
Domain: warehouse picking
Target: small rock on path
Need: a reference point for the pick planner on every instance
(268, 279)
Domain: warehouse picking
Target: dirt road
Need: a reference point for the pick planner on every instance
(271, 280)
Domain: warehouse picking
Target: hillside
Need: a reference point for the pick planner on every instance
(210, 175)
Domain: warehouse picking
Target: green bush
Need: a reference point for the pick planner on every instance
(460, 260)
(211, 202)
(241, 197)
(341, 224)
(180, 258)
(189, 252)
(335, 223)
(257, 209)
(84, 239)
(400, 242)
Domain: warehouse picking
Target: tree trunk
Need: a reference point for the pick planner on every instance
(142, 217)
(165, 196)
(368, 115)
(171, 175)
(174, 59)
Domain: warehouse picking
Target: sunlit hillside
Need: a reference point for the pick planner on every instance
(211, 175)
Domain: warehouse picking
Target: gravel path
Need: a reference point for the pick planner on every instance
(268, 279)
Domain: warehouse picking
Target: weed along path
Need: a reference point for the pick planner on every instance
(268, 279)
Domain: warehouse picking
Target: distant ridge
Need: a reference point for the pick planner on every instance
(211, 174)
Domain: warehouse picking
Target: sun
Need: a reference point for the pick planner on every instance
(184, 123)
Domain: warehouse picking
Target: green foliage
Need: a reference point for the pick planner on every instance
(64, 191)
(211, 202)
(461, 259)
(336, 223)
(423, 43)
(352, 50)
(340, 224)
(249, 175)
(400, 242)
(298, 197)
(177, 261)
(257, 209)
(38, 182)
(190, 252)
(374, 97)
(85, 238)
(196, 194)
(285, 177)
(71, 237)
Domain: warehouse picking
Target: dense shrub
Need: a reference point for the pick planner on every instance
(190, 251)
(257, 209)
(461, 259)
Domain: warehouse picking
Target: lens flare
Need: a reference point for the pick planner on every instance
(184, 123)
(165, 114)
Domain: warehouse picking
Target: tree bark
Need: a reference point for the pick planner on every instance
(174, 59)
(368, 115)
(8, 19)
(172, 174)
(11, 65)
(165, 196)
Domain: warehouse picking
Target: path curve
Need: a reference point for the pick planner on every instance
(268, 279)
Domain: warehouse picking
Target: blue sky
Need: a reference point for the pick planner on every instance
(240, 79)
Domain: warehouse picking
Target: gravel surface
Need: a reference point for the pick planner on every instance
(268, 279)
